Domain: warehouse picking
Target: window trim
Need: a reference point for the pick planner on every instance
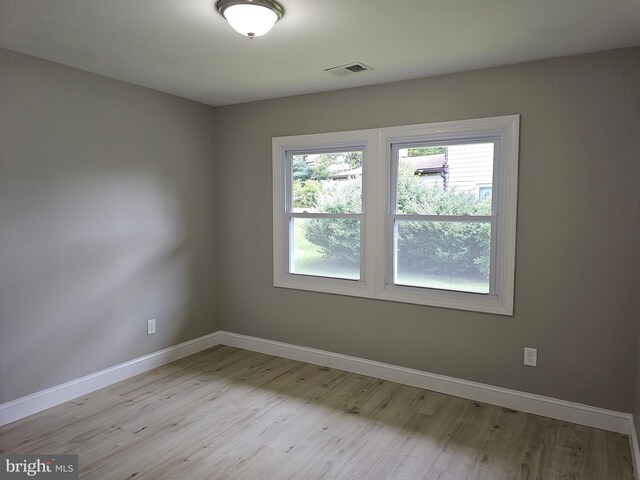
(376, 187)
(282, 147)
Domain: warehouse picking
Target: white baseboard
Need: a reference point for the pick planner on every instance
(36, 402)
(525, 402)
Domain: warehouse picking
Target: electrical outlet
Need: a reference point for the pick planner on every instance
(531, 357)
(151, 326)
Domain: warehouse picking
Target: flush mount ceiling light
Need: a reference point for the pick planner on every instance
(252, 18)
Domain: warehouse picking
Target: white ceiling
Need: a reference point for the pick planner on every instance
(186, 48)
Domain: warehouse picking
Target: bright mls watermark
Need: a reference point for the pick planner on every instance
(51, 467)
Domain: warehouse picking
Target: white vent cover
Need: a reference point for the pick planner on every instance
(348, 69)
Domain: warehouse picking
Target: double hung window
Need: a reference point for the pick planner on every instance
(324, 210)
(441, 232)
(420, 214)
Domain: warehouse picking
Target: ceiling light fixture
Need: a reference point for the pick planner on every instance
(251, 18)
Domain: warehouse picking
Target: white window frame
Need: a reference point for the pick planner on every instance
(376, 246)
(282, 149)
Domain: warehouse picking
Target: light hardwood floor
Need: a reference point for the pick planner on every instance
(227, 413)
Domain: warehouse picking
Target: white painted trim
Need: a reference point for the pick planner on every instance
(376, 247)
(634, 447)
(504, 131)
(39, 401)
(281, 148)
(525, 402)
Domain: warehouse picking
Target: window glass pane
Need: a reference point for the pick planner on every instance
(444, 255)
(445, 180)
(484, 192)
(327, 182)
(326, 247)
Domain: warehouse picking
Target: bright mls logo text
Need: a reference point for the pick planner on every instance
(30, 466)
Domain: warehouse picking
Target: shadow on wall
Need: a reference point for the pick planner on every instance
(86, 260)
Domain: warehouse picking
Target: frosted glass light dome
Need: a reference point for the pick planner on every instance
(252, 18)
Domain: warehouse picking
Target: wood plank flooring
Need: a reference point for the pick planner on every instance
(227, 413)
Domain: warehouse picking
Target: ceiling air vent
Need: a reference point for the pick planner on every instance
(348, 69)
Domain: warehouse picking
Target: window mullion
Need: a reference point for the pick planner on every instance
(323, 215)
(444, 218)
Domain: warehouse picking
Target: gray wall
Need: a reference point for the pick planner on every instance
(577, 265)
(119, 204)
(106, 220)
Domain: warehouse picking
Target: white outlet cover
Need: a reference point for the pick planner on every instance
(531, 357)
(151, 326)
